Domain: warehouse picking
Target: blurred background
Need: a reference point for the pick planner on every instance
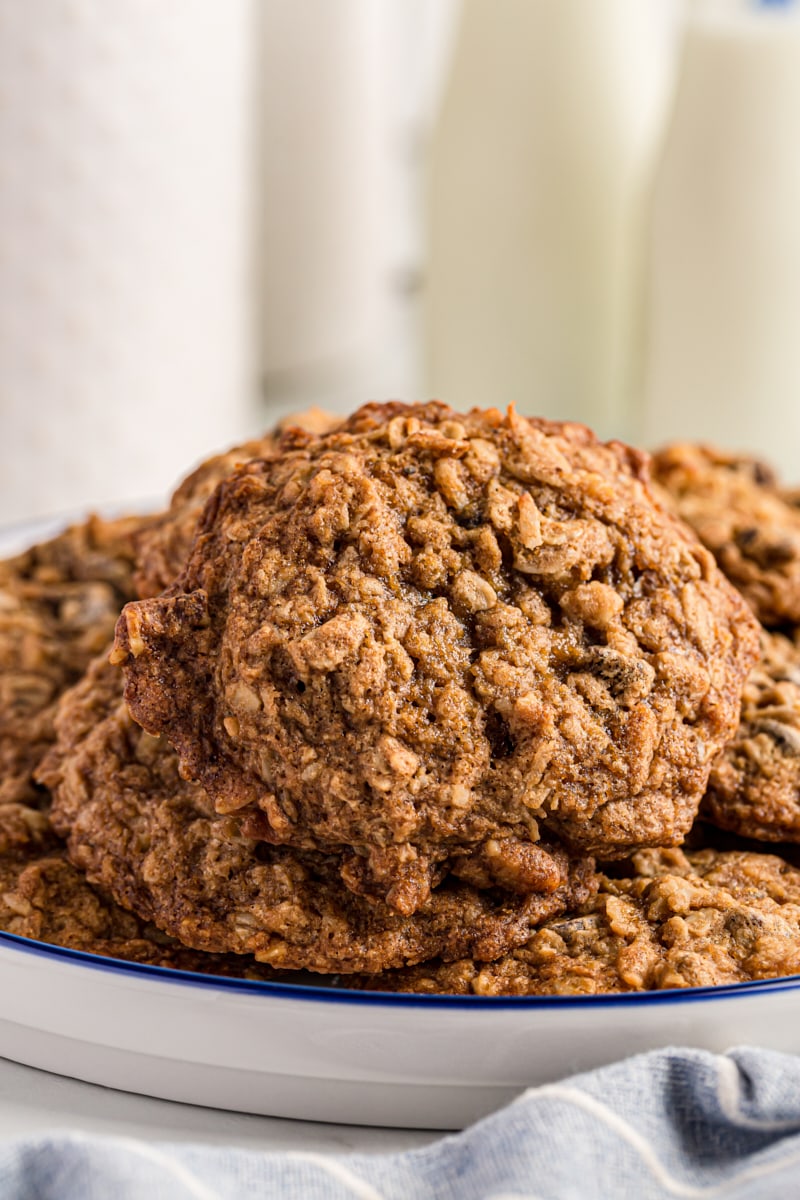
(215, 212)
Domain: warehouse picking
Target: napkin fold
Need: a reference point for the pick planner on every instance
(672, 1123)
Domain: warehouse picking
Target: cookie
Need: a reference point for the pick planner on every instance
(44, 897)
(59, 601)
(737, 509)
(700, 919)
(153, 841)
(427, 641)
(94, 551)
(162, 547)
(754, 787)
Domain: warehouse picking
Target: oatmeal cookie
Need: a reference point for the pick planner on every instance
(754, 786)
(154, 842)
(736, 508)
(44, 897)
(95, 551)
(24, 832)
(163, 545)
(430, 639)
(58, 605)
(680, 920)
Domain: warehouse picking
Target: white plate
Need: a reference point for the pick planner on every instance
(293, 1050)
(298, 1050)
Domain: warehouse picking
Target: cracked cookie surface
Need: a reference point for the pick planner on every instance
(737, 509)
(695, 919)
(425, 641)
(153, 841)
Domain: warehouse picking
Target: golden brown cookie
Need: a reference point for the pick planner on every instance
(44, 897)
(426, 641)
(154, 842)
(94, 551)
(754, 787)
(736, 508)
(681, 920)
(58, 604)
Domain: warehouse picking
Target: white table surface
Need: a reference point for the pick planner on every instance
(35, 1102)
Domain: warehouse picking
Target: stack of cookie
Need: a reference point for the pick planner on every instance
(430, 702)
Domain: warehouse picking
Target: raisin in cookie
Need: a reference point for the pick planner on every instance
(738, 511)
(680, 920)
(153, 841)
(426, 641)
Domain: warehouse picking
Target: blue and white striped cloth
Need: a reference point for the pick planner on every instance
(674, 1123)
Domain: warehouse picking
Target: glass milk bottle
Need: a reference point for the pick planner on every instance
(540, 170)
(347, 93)
(723, 301)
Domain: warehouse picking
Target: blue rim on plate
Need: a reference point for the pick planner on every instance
(342, 995)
